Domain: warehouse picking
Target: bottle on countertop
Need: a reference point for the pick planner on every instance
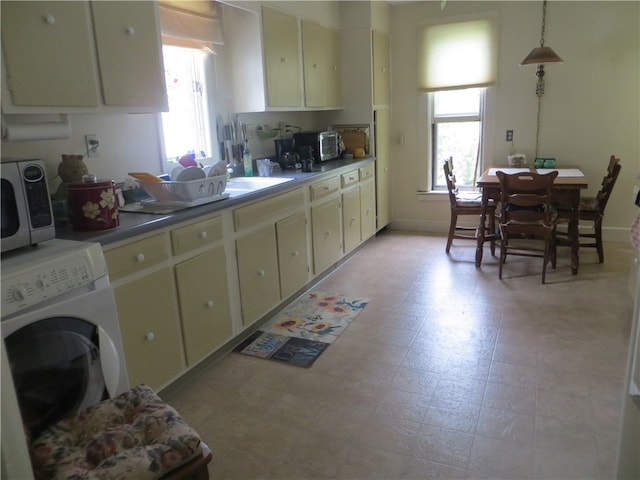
(247, 160)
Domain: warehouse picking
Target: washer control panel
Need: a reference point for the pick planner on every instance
(36, 280)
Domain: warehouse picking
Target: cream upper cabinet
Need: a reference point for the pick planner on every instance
(381, 69)
(281, 58)
(48, 53)
(291, 235)
(204, 303)
(321, 61)
(275, 61)
(82, 57)
(129, 53)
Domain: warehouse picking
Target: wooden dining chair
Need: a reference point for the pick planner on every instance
(592, 210)
(466, 203)
(527, 217)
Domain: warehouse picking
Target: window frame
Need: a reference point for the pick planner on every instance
(433, 120)
(208, 114)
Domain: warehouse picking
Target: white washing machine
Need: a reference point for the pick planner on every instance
(61, 340)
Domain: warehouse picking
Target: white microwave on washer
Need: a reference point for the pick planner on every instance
(27, 216)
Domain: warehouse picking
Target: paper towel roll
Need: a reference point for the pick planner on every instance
(35, 131)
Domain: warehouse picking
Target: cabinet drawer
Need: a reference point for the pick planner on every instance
(324, 188)
(273, 207)
(349, 178)
(366, 172)
(130, 258)
(199, 234)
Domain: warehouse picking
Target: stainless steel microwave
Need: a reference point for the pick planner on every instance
(27, 216)
(324, 144)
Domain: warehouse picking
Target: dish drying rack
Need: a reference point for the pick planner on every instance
(198, 191)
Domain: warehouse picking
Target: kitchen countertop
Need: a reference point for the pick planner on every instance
(132, 224)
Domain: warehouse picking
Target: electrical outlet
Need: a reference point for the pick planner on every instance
(92, 144)
(509, 135)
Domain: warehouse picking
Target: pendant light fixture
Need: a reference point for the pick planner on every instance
(541, 55)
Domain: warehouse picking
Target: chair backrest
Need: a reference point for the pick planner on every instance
(613, 170)
(450, 178)
(526, 198)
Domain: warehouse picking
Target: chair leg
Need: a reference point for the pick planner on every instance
(492, 226)
(599, 247)
(452, 230)
(503, 254)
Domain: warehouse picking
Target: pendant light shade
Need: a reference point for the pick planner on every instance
(541, 55)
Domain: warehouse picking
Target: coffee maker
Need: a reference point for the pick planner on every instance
(285, 154)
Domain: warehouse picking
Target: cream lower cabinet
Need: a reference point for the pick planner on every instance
(325, 228)
(145, 294)
(351, 219)
(367, 202)
(150, 329)
(291, 234)
(257, 254)
(204, 303)
(383, 168)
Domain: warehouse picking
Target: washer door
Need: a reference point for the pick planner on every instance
(56, 369)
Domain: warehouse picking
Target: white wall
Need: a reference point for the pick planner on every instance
(590, 109)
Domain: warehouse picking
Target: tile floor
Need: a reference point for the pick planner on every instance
(447, 373)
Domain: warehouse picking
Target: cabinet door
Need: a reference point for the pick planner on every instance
(381, 70)
(321, 60)
(383, 177)
(48, 52)
(334, 81)
(367, 209)
(281, 57)
(258, 273)
(129, 53)
(150, 331)
(204, 303)
(351, 219)
(325, 227)
(292, 253)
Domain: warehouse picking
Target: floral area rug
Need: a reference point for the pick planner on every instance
(301, 332)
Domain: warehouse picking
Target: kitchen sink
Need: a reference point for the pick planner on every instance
(251, 184)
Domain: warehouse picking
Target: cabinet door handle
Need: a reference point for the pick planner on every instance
(261, 273)
(283, 59)
(352, 221)
(295, 253)
(209, 304)
(315, 65)
(130, 31)
(150, 336)
(327, 233)
(50, 19)
(203, 235)
(140, 257)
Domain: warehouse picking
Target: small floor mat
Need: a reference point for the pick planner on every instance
(304, 330)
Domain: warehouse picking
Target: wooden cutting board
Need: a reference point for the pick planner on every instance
(353, 140)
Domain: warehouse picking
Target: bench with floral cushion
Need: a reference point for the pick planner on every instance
(134, 435)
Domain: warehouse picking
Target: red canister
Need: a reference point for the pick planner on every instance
(93, 205)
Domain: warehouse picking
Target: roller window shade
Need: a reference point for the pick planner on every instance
(191, 24)
(458, 55)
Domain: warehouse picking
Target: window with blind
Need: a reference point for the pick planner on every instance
(457, 61)
(190, 32)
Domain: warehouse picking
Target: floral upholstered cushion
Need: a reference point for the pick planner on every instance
(135, 435)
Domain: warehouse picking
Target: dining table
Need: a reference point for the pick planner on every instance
(565, 192)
